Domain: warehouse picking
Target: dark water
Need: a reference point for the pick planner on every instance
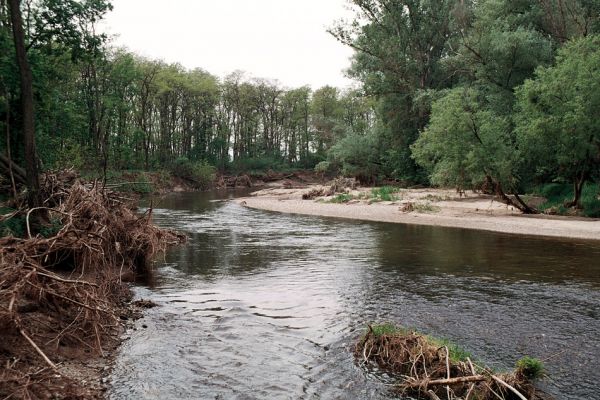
(262, 305)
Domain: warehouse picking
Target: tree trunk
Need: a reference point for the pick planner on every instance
(33, 181)
(519, 204)
(577, 189)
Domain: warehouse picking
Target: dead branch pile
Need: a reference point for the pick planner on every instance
(313, 194)
(61, 296)
(426, 370)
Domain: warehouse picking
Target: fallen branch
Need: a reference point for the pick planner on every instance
(38, 350)
(506, 385)
(442, 382)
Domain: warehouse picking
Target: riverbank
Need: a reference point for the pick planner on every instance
(64, 297)
(432, 207)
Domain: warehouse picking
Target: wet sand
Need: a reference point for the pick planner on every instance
(435, 207)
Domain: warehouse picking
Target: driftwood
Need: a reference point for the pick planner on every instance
(426, 369)
(62, 294)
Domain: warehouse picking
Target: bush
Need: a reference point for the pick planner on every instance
(200, 174)
(358, 157)
(323, 167)
(557, 194)
(385, 193)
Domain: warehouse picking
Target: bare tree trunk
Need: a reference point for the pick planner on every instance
(519, 204)
(577, 189)
(8, 155)
(33, 180)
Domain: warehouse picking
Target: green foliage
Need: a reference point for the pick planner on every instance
(385, 193)
(531, 368)
(558, 194)
(341, 198)
(456, 353)
(200, 174)
(557, 123)
(386, 329)
(259, 165)
(358, 157)
(141, 184)
(426, 208)
(323, 167)
(51, 229)
(14, 226)
(465, 143)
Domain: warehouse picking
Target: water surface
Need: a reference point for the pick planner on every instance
(263, 305)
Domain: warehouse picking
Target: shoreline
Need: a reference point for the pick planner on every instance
(469, 211)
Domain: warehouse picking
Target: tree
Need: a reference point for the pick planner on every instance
(468, 146)
(400, 46)
(26, 79)
(558, 122)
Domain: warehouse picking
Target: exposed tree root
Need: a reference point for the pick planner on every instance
(427, 370)
(61, 296)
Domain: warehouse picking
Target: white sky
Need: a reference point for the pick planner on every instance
(285, 40)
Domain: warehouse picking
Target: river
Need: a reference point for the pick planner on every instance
(261, 305)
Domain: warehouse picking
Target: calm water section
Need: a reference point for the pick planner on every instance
(262, 305)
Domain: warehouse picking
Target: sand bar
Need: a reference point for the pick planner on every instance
(434, 207)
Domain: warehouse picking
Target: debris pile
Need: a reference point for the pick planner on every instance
(62, 296)
(427, 369)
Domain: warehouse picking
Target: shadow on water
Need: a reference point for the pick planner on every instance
(266, 305)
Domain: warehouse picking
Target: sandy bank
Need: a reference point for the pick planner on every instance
(434, 207)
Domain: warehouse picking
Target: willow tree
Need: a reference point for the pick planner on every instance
(399, 51)
(558, 124)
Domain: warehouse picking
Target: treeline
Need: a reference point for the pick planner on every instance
(494, 95)
(497, 95)
(101, 107)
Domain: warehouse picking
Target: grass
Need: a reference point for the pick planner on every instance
(531, 368)
(341, 198)
(385, 193)
(456, 352)
(557, 194)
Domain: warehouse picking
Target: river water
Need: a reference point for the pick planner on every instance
(262, 305)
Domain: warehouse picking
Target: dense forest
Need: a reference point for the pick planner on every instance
(501, 96)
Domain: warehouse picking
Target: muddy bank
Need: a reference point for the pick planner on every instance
(434, 207)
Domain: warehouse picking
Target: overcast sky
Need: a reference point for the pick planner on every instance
(284, 40)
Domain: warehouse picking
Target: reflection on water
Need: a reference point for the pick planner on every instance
(265, 305)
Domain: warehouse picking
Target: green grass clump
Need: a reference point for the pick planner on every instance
(386, 329)
(456, 352)
(531, 368)
(341, 198)
(384, 193)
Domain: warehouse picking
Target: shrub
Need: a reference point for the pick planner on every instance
(557, 194)
(341, 198)
(200, 174)
(323, 167)
(385, 193)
